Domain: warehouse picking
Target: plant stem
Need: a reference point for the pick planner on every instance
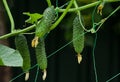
(48, 2)
(55, 24)
(79, 14)
(9, 15)
(62, 16)
(111, 0)
(80, 8)
(17, 32)
(86, 6)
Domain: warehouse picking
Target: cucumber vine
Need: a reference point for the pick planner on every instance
(44, 24)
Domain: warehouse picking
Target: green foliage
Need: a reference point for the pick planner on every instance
(22, 47)
(10, 57)
(33, 17)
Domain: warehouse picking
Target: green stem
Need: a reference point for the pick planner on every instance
(86, 6)
(79, 14)
(111, 0)
(49, 3)
(62, 16)
(56, 23)
(80, 8)
(17, 32)
(9, 15)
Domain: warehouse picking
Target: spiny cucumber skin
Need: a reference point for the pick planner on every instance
(22, 47)
(78, 36)
(41, 55)
(44, 25)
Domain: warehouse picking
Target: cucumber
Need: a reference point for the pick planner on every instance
(22, 47)
(78, 38)
(44, 25)
(41, 57)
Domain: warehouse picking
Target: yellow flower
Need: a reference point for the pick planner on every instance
(35, 42)
(79, 57)
(100, 8)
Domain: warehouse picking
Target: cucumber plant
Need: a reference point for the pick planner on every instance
(43, 24)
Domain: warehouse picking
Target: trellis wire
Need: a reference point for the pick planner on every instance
(23, 73)
(37, 73)
(47, 57)
(93, 55)
(94, 45)
(64, 4)
(64, 46)
(94, 26)
(113, 77)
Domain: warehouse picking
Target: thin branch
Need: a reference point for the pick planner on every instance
(79, 14)
(9, 15)
(17, 32)
(111, 0)
(48, 2)
(57, 22)
(62, 16)
(80, 8)
(86, 6)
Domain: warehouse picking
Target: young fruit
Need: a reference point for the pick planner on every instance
(44, 25)
(41, 57)
(78, 37)
(22, 47)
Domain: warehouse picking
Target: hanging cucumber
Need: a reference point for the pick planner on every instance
(44, 25)
(41, 57)
(78, 38)
(22, 47)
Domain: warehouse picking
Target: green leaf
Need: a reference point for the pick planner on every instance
(33, 17)
(1, 63)
(10, 57)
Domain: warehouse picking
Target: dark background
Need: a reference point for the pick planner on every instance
(63, 66)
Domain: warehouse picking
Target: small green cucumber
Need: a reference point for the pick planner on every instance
(41, 54)
(22, 47)
(78, 38)
(41, 57)
(44, 25)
